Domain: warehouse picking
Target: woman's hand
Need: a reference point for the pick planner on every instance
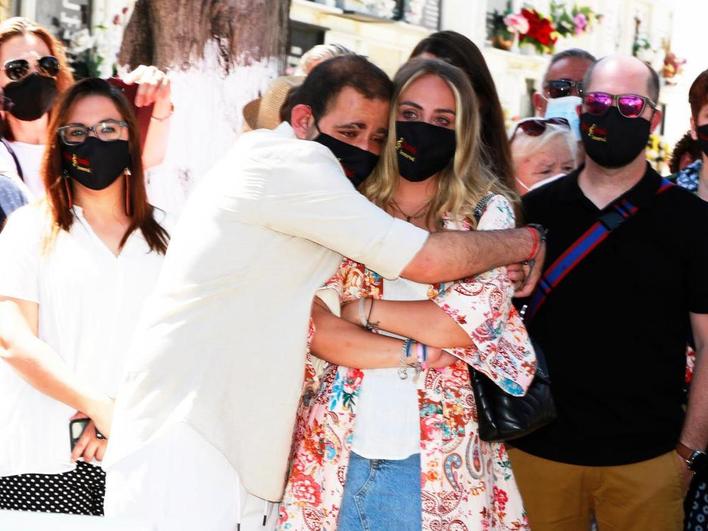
(153, 88)
(439, 359)
(89, 446)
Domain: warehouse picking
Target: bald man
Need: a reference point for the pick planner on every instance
(614, 328)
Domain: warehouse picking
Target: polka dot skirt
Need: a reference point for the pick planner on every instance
(80, 491)
(697, 507)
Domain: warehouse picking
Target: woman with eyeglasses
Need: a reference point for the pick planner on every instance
(33, 71)
(75, 270)
(543, 149)
(387, 434)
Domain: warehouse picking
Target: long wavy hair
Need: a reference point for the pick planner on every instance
(18, 26)
(59, 188)
(466, 179)
(458, 50)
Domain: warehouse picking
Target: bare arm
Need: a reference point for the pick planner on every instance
(423, 321)
(695, 426)
(452, 255)
(340, 342)
(153, 88)
(41, 366)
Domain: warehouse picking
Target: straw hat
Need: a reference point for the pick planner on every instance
(264, 112)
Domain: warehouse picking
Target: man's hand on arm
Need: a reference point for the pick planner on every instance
(453, 255)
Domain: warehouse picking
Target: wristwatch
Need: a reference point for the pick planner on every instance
(697, 460)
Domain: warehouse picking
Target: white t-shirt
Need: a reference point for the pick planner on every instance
(30, 158)
(223, 340)
(387, 422)
(89, 302)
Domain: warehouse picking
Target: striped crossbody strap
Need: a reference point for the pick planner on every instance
(615, 216)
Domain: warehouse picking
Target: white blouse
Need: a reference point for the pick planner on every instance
(30, 159)
(89, 302)
(387, 422)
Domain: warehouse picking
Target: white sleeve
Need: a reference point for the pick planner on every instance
(313, 199)
(20, 248)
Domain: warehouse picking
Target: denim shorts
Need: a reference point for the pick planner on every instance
(381, 495)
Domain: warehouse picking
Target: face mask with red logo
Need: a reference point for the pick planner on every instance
(423, 149)
(94, 163)
(612, 140)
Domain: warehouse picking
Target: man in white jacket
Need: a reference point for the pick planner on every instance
(202, 429)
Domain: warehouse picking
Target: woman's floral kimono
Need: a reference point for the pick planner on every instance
(467, 484)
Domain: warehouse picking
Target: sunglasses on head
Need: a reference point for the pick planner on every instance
(537, 126)
(559, 88)
(628, 105)
(17, 69)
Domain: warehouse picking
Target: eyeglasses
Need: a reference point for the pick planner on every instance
(17, 69)
(537, 126)
(107, 130)
(628, 105)
(558, 88)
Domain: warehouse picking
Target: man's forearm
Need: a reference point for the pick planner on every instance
(453, 255)
(695, 427)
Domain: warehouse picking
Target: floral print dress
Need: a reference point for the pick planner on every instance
(467, 484)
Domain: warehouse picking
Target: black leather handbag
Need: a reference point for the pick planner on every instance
(503, 417)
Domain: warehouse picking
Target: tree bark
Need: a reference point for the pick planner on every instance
(221, 54)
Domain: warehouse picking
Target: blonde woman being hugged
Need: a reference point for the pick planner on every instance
(74, 272)
(387, 436)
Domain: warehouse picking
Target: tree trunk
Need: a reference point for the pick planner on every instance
(221, 54)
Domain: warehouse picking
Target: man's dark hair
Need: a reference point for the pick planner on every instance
(572, 53)
(652, 80)
(328, 78)
(684, 146)
(698, 94)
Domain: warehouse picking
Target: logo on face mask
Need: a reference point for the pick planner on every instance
(594, 132)
(76, 162)
(405, 149)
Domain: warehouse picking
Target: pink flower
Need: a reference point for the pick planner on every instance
(516, 23)
(581, 23)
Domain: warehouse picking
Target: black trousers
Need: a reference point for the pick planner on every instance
(80, 491)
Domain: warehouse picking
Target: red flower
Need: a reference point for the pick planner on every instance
(541, 28)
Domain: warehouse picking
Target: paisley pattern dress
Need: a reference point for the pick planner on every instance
(467, 484)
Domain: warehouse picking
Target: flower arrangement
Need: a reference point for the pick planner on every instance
(506, 26)
(541, 33)
(658, 153)
(94, 53)
(573, 22)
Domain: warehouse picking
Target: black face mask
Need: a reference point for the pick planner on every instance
(96, 164)
(31, 96)
(357, 163)
(423, 149)
(611, 140)
(702, 133)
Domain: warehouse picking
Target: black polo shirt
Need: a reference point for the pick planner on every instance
(614, 331)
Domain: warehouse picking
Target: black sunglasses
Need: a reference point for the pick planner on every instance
(537, 126)
(17, 69)
(559, 88)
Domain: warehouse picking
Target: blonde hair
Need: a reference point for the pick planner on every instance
(522, 145)
(465, 180)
